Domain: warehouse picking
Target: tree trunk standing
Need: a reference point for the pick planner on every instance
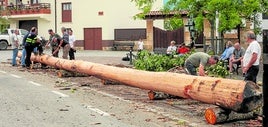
(265, 80)
(237, 95)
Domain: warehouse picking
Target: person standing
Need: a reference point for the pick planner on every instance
(72, 44)
(22, 59)
(53, 45)
(64, 43)
(15, 46)
(140, 45)
(199, 60)
(31, 42)
(251, 59)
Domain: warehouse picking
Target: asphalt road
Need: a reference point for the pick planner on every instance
(30, 99)
(25, 103)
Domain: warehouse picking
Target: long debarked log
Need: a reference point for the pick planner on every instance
(237, 95)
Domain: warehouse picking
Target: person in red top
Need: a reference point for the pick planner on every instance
(183, 49)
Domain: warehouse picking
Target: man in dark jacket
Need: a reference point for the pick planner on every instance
(31, 42)
(22, 59)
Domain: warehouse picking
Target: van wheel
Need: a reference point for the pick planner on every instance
(3, 45)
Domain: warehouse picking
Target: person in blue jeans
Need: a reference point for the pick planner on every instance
(22, 60)
(15, 47)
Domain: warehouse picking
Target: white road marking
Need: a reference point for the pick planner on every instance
(16, 76)
(34, 83)
(150, 108)
(97, 110)
(59, 93)
(110, 95)
(3, 72)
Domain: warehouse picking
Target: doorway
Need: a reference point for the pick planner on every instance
(92, 39)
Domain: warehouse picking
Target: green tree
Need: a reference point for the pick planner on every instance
(231, 12)
(4, 23)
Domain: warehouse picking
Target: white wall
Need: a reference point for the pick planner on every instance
(116, 14)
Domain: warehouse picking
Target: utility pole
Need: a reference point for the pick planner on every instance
(264, 79)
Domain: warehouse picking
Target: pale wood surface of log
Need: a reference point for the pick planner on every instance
(227, 93)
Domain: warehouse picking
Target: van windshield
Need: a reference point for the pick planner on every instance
(24, 32)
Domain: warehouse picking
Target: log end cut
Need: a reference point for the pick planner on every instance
(216, 115)
(252, 98)
(210, 116)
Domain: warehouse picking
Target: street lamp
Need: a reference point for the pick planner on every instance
(192, 30)
(191, 26)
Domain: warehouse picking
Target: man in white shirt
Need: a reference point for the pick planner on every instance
(172, 48)
(15, 46)
(72, 43)
(140, 45)
(251, 59)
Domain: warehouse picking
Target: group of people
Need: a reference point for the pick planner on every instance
(249, 58)
(66, 42)
(173, 49)
(32, 43)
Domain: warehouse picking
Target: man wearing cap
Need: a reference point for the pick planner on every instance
(199, 59)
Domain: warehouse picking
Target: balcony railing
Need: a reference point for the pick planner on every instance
(40, 8)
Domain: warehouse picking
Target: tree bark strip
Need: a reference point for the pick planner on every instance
(64, 73)
(237, 95)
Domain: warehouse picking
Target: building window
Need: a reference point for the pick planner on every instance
(66, 12)
(264, 16)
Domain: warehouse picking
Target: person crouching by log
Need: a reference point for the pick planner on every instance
(64, 43)
(31, 42)
(199, 59)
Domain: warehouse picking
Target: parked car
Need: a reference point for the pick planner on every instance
(5, 37)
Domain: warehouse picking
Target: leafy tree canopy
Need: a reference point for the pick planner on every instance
(4, 23)
(230, 12)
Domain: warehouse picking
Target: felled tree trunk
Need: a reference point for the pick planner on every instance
(237, 95)
(219, 115)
